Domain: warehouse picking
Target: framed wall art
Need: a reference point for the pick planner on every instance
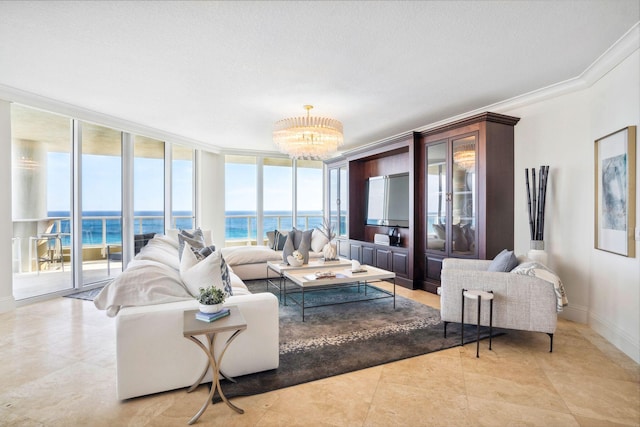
(615, 192)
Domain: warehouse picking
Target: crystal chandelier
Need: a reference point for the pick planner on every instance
(465, 157)
(308, 137)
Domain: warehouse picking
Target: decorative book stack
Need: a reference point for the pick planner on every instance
(212, 317)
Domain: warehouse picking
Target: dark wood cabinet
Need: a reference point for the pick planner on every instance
(466, 188)
(460, 197)
(391, 258)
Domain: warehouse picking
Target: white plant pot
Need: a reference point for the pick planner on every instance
(210, 308)
(294, 262)
(537, 253)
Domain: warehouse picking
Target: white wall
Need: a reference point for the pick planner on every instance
(7, 301)
(210, 187)
(603, 288)
(614, 103)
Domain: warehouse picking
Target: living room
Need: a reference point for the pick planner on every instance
(558, 126)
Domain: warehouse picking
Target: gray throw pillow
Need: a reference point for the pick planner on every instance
(279, 239)
(305, 245)
(505, 261)
(224, 274)
(195, 240)
(202, 253)
(288, 247)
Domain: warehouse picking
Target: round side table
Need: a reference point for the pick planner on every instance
(480, 296)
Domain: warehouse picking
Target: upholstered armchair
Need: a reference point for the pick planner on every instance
(520, 301)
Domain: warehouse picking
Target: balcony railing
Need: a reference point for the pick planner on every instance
(242, 229)
(97, 231)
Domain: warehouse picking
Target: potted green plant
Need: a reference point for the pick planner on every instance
(211, 299)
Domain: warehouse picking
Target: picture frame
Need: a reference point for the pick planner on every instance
(615, 192)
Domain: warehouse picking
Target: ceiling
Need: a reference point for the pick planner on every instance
(221, 73)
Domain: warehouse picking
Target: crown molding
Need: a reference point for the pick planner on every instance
(40, 102)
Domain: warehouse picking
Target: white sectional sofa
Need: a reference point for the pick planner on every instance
(148, 301)
(250, 262)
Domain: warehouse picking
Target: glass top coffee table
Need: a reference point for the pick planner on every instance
(304, 281)
(279, 269)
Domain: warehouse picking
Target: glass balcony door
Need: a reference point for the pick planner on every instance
(338, 199)
(148, 185)
(101, 207)
(41, 202)
(308, 194)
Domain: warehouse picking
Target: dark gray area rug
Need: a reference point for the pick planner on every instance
(86, 295)
(342, 338)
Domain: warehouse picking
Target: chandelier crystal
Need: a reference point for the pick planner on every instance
(465, 156)
(308, 137)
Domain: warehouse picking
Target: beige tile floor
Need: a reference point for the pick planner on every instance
(57, 364)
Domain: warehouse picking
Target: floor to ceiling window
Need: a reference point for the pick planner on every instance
(45, 176)
(240, 195)
(41, 202)
(308, 194)
(182, 187)
(101, 200)
(250, 213)
(277, 200)
(148, 185)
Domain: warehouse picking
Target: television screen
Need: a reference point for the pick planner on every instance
(387, 200)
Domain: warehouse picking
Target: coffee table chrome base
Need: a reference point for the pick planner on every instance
(365, 285)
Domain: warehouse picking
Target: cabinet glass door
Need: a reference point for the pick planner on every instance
(436, 196)
(463, 195)
(338, 199)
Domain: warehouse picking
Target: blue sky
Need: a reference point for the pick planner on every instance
(102, 181)
(240, 194)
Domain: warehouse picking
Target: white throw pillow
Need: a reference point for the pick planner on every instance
(200, 274)
(173, 234)
(318, 240)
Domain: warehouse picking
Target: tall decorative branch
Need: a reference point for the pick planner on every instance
(536, 201)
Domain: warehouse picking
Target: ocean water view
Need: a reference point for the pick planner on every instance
(240, 225)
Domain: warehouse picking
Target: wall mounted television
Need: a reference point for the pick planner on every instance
(387, 200)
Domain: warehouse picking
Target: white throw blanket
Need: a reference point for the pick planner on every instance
(152, 277)
(541, 272)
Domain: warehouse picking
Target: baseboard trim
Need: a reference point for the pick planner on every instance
(579, 314)
(616, 336)
(7, 304)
